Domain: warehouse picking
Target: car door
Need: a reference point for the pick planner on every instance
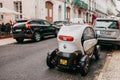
(89, 40)
(48, 28)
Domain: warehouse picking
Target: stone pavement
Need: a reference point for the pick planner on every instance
(6, 41)
(111, 70)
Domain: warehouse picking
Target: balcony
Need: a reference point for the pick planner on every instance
(84, 5)
(80, 4)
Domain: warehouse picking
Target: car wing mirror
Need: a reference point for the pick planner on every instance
(88, 44)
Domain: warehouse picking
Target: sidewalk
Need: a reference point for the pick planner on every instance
(111, 70)
(6, 41)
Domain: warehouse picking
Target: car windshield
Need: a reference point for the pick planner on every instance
(106, 24)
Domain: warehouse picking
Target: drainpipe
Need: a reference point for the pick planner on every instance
(64, 9)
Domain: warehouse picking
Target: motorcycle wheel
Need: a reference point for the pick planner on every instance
(49, 62)
(96, 53)
(85, 68)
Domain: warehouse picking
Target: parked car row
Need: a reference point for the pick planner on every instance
(37, 29)
(107, 30)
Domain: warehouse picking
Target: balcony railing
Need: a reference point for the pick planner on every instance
(80, 4)
(84, 5)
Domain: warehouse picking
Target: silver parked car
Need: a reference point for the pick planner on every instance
(108, 31)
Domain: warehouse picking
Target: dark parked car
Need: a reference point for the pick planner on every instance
(108, 31)
(34, 29)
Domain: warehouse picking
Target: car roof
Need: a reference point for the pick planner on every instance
(37, 20)
(107, 19)
(30, 20)
(62, 21)
(18, 21)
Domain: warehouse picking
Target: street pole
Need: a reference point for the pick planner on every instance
(64, 9)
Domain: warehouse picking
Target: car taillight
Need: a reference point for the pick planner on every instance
(119, 25)
(66, 38)
(27, 26)
(74, 62)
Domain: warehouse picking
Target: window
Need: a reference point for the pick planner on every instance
(88, 34)
(1, 5)
(106, 24)
(46, 23)
(1, 16)
(18, 8)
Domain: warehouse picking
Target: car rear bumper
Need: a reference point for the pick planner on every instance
(24, 36)
(70, 58)
(108, 41)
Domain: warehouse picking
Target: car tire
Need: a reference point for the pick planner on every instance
(96, 54)
(19, 40)
(49, 62)
(37, 36)
(118, 47)
(85, 68)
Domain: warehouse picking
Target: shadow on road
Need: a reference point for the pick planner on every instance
(29, 41)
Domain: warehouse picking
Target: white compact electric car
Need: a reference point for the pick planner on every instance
(77, 45)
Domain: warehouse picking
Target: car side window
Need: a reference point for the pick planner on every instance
(33, 22)
(41, 23)
(88, 34)
(114, 25)
(46, 23)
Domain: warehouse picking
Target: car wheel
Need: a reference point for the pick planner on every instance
(118, 47)
(19, 40)
(49, 62)
(56, 32)
(96, 53)
(37, 37)
(85, 68)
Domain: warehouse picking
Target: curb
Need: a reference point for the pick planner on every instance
(6, 36)
(107, 61)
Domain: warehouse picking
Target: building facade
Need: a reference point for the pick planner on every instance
(112, 11)
(52, 10)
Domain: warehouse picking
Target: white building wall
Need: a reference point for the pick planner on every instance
(9, 5)
(55, 10)
(111, 7)
(36, 9)
(43, 11)
(28, 7)
(101, 6)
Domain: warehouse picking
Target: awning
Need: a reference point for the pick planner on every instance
(8, 11)
(80, 3)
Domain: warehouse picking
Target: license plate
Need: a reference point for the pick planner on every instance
(102, 32)
(63, 61)
(18, 30)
